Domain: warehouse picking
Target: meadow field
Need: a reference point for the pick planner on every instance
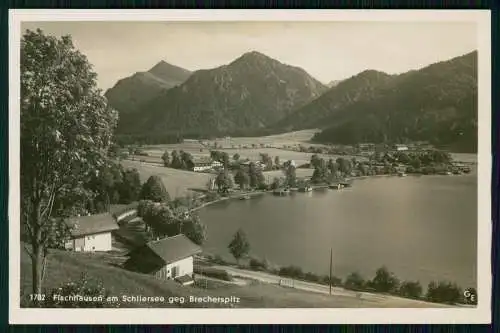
(245, 147)
(177, 182)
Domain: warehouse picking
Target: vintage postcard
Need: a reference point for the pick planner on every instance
(250, 166)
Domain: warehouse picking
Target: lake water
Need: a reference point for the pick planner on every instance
(422, 228)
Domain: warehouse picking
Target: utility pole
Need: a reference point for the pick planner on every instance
(331, 258)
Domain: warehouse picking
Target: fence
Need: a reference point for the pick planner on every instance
(286, 283)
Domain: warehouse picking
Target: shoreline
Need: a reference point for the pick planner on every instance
(314, 188)
(261, 192)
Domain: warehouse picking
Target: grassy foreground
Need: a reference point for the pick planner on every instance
(65, 266)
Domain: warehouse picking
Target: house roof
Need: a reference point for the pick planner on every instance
(174, 248)
(202, 160)
(92, 224)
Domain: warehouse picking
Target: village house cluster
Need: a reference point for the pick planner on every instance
(169, 258)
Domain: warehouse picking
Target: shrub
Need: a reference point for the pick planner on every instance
(355, 282)
(91, 294)
(217, 259)
(384, 281)
(259, 265)
(444, 292)
(213, 272)
(291, 271)
(336, 281)
(312, 277)
(410, 289)
(211, 196)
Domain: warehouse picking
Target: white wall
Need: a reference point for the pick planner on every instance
(202, 168)
(90, 243)
(185, 267)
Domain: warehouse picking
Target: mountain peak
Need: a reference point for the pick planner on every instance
(371, 73)
(163, 69)
(254, 53)
(253, 56)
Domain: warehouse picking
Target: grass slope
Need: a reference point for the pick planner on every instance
(66, 266)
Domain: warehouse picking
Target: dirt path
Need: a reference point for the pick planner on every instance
(383, 300)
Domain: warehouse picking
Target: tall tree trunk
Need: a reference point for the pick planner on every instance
(37, 252)
(36, 267)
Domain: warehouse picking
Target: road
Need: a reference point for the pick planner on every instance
(386, 300)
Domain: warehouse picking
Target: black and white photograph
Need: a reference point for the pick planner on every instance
(180, 161)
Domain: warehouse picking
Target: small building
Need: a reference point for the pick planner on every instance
(91, 233)
(205, 164)
(166, 259)
(400, 147)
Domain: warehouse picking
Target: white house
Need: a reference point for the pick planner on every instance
(91, 233)
(401, 147)
(203, 165)
(166, 259)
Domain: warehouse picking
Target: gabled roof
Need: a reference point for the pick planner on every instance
(202, 160)
(92, 224)
(174, 248)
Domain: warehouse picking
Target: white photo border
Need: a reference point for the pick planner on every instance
(477, 315)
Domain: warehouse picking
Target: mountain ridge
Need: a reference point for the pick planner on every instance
(437, 103)
(130, 93)
(250, 92)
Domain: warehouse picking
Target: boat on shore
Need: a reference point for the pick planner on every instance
(245, 197)
(338, 186)
(305, 189)
(402, 174)
(281, 191)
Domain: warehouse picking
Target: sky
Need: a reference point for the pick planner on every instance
(326, 50)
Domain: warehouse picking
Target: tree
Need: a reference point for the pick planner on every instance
(290, 174)
(154, 190)
(444, 292)
(384, 281)
(410, 289)
(276, 183)
(194, 229)
(354, 281)
(315, 161)
(166, 158)
(320, 175)
(239, 246)
(105, 186)
(277, 161)
(223, 181)
(344, 165)
(144, 207)
(266, 160)
(241, 178)
(130, 187)
(187, 161)
(161, 221)
(66, 130)
(225, 160)
(176, 160)
(256, 176)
